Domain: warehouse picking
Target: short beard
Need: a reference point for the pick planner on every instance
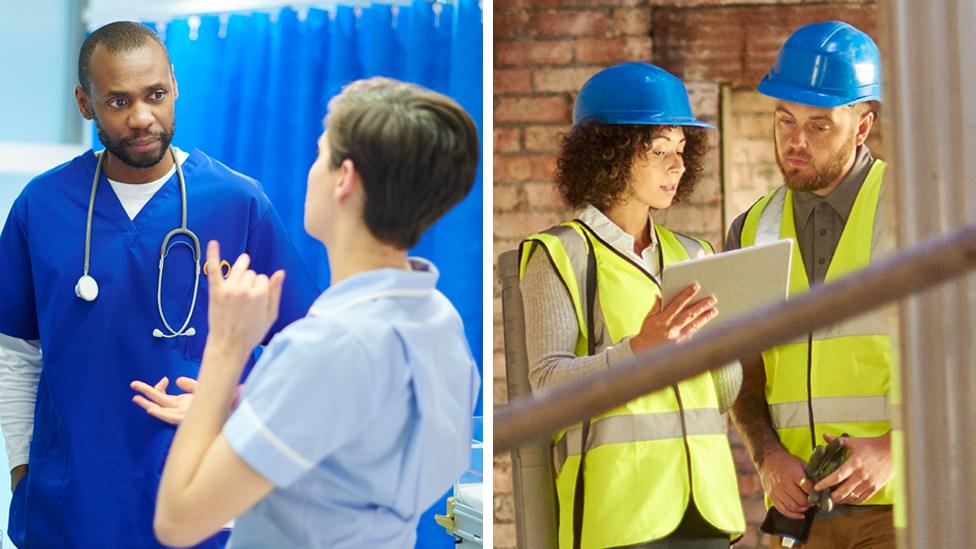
(822, 176)
(117, 147)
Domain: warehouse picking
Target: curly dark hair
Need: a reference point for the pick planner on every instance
(596, 160)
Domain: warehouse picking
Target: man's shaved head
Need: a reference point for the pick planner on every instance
(117, 37)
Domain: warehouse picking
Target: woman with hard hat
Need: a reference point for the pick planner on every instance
(656, 472)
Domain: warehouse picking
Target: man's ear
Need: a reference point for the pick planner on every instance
(84, 103)
(864, 124)
(176, 88)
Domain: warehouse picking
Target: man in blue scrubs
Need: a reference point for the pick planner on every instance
(90, 476)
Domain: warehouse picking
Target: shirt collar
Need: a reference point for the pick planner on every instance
(841, 199)
(422, 277)
(609, 232)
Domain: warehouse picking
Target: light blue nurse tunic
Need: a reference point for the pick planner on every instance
(359, 413)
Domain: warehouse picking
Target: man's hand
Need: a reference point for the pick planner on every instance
(16, 474)
(785, 482)
(169, 408)
(244, 306)
(866, 471)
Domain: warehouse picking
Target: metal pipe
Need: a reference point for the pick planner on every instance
(924, 266)
(930, 77)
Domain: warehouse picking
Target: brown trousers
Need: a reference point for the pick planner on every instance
(874, 529)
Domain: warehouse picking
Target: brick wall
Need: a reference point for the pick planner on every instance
(545, 49)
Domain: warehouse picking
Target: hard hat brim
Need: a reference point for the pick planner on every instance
(642, 118)
(806, 97)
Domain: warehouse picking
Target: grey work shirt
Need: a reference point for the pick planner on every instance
(819, 220)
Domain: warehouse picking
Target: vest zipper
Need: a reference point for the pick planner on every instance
(684, 439)
(813, 428)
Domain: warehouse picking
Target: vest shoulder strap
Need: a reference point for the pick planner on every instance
(568, 250)
(695, 247)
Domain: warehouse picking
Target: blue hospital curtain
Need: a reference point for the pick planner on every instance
(254, 88)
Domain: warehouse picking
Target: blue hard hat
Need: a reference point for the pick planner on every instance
(829, 64)
(635, 93)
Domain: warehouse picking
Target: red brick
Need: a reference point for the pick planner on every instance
(502, 483)
(715, 44)
(631, 21)
(498, 347)
(504, 535)
(542, 52)
(522, 224)
(500, 393)
(749, 485)
(544, 196)
(510, 24)
(500, 246)
(498, 364)
(561, 80)
(508, 140)
(504, 4)
(684, 3)
(523, 168)
(568, 23)
(544, 138)
(513, 81)
(506, 197)
(504, 509)
(601, 3)
(608, 51)
(510, 169)
(532, 109)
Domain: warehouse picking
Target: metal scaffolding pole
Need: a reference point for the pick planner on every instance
(924, 266)
(931, 115)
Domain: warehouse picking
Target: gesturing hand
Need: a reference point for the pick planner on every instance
(244, 306)
(866, 471)
(677, 321)
(166, 407)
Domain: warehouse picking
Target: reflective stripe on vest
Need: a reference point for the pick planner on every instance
(643, 458)
(840, 379)
(639, 428)
(865, 409)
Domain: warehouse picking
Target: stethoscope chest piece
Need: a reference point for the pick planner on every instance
(86, 288)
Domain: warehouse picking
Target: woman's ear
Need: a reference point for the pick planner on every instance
(348, 180)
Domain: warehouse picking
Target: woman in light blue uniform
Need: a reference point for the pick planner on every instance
(357, 418)
(95, 459)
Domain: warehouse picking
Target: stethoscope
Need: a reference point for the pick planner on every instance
(87, 288)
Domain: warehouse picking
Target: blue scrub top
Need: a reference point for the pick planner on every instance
(96, 458)
(360, 414)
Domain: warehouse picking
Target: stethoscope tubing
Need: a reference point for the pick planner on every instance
(163, 251)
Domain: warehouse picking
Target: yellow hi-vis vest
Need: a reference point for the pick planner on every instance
(643, 459)
(835, 380)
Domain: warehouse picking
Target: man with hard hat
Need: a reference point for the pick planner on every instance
(834, 381)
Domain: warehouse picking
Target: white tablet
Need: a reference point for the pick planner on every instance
(742, 279)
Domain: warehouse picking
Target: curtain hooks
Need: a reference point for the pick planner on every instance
(437, 9)
(224, 19)
(193, 22)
